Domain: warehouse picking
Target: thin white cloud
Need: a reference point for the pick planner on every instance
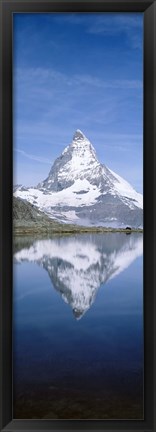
(115, 23)
(102, 20)
(108, 24)
(119, 24)
(118, 84)
(39, 77)
(33, 157)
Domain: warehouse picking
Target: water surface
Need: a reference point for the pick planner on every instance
(78, 327)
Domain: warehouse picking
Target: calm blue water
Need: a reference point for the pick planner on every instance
(78, 327)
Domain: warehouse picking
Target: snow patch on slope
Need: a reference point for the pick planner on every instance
(79, 194)
(124, 189)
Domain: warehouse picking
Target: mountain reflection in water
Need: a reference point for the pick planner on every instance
(78, 265)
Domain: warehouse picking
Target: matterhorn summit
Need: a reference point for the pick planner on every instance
(79, 136)
(81, 190)
(78, 161)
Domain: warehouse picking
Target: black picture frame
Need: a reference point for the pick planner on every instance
(7, 8)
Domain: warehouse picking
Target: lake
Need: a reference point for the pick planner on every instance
(78, 327)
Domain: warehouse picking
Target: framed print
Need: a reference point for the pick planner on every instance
(77, 188)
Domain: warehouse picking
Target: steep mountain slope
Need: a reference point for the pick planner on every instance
(78, 266)
(80, 189)
(26, 212)
(27, 215)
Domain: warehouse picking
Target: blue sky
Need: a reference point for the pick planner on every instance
(78, 71)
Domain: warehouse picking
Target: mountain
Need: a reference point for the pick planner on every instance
(79, 189)
(25, 212)
(27, 216)
(78, 266)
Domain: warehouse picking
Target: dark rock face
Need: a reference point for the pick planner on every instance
(52, 182)
(112, 207)
(24, 211)
(28, 215)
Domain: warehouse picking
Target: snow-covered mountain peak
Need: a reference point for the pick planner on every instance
(83, 147)
(86, 152)
(79, 136)
(80, 189)
(78, 161)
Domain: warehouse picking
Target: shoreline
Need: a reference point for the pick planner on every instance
(71, 230)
